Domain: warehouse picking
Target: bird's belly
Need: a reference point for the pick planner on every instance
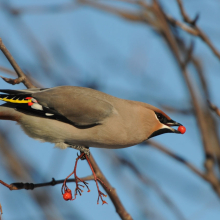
(114, 136)
(101, 136)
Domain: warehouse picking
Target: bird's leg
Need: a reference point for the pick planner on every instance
(100, 194)
(82, 149)
(65, 188)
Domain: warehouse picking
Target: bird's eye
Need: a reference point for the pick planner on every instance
(161, 118)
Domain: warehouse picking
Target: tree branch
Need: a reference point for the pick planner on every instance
(1, 212)
(214, 107)
(147, 181)
(183, 26)
(196, 29)
(111, 193)
(32, 186)
(21, 76)
(205, 176)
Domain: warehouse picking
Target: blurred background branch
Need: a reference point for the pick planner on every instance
(160, 52)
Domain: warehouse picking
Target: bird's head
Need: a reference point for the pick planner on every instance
(163, 123)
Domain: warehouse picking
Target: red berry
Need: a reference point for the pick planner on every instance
(104, 202)
(182, 129)
(67, 195)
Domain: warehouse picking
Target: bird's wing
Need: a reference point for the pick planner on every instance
(81, 107)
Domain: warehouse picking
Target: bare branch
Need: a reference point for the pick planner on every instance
(32, 186)
(198, 66)
(6, 70)
(111, 193)
(19, 168)
(128, 15)
(21, 76)
(184, 15)
(206, 176)
(13, 73)
(210, 139)
(214, 107)
(183, 26)
(199, 33)
(142, 17)
(1, 212)
(105, 184)
(147, 181)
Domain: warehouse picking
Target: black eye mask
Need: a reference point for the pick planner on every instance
(161, 118)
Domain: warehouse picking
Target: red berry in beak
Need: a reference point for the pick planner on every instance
(182, 129)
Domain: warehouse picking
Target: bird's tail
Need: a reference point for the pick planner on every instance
(14, 96)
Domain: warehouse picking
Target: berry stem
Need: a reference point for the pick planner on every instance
(100, 194)
(65, 188)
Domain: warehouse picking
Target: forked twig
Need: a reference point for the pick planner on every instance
(21, 76)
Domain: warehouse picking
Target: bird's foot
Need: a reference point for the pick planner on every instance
(66, 192)
(82, 149)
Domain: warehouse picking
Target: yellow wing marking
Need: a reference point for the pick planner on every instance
(15, 101)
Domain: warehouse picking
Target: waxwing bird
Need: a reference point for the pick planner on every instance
(79, 117)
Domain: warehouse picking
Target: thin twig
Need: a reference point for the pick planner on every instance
(214, 107)
(1, 211)
(210, 139)
(182, 25)
(111, 193)
(13, 73)
(21, 76)
(198, 66)
(176, 157)
(207, 126)
(206, 176)
(147, 181)
(128, 15)
(132, 16)
(32, 186)
(8, 71)
(200, 33)
(184, 14)
(19, 168)
(108, 188)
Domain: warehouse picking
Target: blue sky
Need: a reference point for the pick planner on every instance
(88, 47)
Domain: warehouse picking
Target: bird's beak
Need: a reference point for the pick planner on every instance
(171, 123)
